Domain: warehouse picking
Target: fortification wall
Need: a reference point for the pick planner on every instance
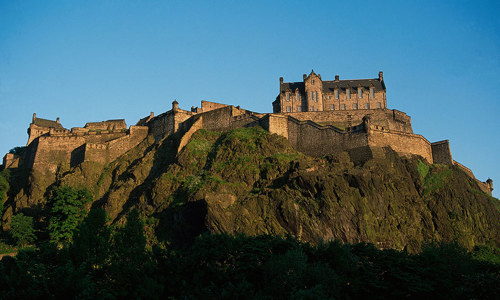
(389, 119)
(53, 151)
(10, 161)
(208, 106)
(111, 150)
(107, 125)
(401, 142)
(162, 125)
(218, 119)
(465, 169)
(441, 153)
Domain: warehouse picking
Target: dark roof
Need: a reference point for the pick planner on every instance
(329, 86)
(47, 123)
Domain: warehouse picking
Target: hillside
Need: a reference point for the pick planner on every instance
(252, 182)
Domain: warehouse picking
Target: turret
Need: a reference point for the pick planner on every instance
(175, 106)
(489, 182)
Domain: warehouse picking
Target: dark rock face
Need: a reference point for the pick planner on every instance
(249, 181)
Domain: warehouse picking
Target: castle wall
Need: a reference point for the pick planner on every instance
(10, 161)
(53, 151)
(107, 125)
(401, 142)
(388, 119)
(111, 150)
(208, 106)
(162, 125)
(441, 153)
(218, 119)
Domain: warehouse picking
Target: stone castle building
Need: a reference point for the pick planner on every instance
(317, 117)
(314, 94)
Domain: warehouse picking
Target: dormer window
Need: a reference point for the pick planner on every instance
(348, 93)
(372, 93)
(287, 97)
(360, 92)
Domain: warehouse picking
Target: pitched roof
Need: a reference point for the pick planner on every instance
(329, 86)
(47, 123)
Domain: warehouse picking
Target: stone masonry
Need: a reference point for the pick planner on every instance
(317, 117)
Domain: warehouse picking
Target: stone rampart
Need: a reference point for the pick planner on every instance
(441, 153)
(390, 119)
(401, 142)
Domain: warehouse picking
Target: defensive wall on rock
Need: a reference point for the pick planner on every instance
(364, 134)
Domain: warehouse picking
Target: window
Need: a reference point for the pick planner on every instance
(379, 105)
(288, 109)
(315, 96)
(313, 81)
(329, 97)
(360, 92)
(287, 97)
(311, 96)
(348, 93)
(311, 109)
(343, 107)
(372, 93)
(297, 97)
(336, 94)
(299, 108)
(332, 107)
(355, 106)
(367, 106)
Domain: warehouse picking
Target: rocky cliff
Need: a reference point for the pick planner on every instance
(249, 181)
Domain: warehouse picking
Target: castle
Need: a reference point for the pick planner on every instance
(317, 117)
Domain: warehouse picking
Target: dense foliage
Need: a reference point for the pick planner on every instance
(21, 229)
(67, 209)
(99, 264)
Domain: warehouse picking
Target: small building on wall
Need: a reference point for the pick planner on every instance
(314, 94)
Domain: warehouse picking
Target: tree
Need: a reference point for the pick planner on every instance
(67, 211)
(91, 240)
(21, 229)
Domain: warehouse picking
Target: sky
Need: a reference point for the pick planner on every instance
(87, 61)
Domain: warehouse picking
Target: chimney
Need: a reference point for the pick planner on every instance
(380, 75)
(336, 77)
(281, 80)
(152, 114)
(304, 76)
(57, 120)
(319, 76)
(34, 118)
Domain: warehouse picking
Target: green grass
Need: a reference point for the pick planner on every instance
(423, 170)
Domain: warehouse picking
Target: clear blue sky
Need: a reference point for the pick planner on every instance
(88, 61)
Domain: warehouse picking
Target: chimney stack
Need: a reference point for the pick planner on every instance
(34, 118)
(304, 76)
(281, 80)
(57, 120)
(336, 77)
(380, 75)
